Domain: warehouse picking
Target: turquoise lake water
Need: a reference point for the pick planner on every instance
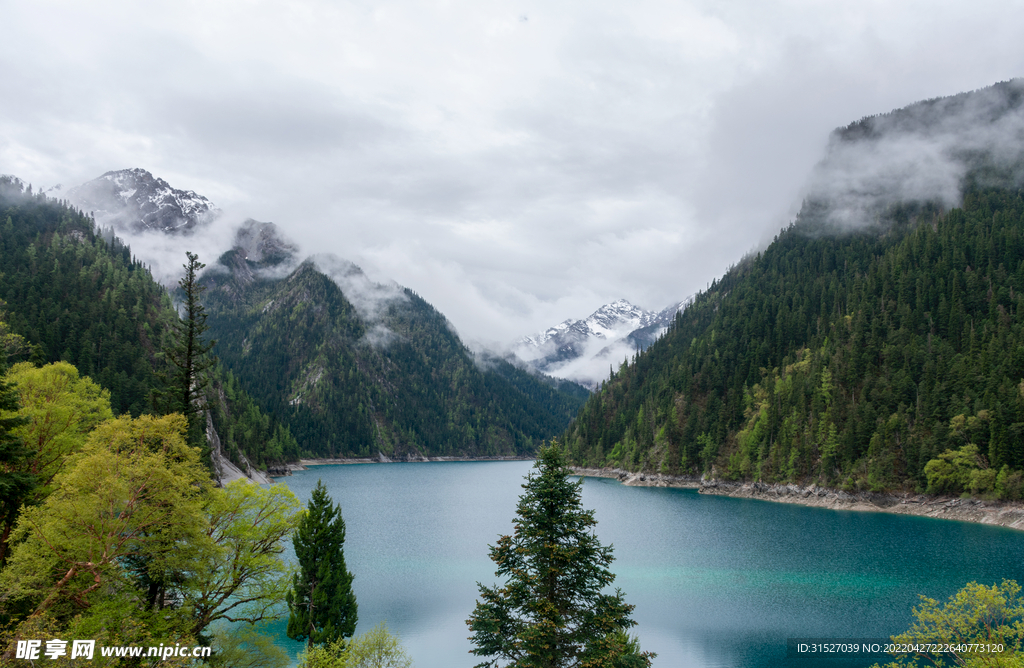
(717, 582)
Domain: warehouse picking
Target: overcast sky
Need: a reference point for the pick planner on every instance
(515, 163)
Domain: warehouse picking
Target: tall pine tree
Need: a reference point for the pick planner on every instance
(552, 611)
(189, 356)
(321, 602)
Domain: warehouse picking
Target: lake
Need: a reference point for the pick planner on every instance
(717, 582)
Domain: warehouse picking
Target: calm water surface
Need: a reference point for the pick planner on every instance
(717, 582)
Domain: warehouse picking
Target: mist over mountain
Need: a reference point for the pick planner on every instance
(924, 152)
(351, 366)
(356, 368)
(83, 298)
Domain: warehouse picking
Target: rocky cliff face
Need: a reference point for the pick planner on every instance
(264, 244)
(134, 200)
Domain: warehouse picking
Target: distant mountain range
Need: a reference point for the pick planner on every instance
(350, 366)
(583, 350)
(133, 200)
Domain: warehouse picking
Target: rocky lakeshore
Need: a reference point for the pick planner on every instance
(983, 511)
(641, 479)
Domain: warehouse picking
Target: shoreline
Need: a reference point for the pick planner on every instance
(304, 464)
(1008, 514)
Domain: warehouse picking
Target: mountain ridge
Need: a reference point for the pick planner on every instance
(877, 349)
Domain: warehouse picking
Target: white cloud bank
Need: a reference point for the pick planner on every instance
(515, 163)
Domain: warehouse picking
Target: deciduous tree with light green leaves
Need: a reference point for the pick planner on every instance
(87, 556)
(58, 409)
(239, 575)
(134, 487)
(321, 602)
(552, 611)
(377, 648)
(974, 620)
(16, 482)
(61, 408)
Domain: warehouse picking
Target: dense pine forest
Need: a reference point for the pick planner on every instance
(885, 358)
(401, 383)
(80, 298)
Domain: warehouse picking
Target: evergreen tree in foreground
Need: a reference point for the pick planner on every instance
(321, 602)
(551, 612)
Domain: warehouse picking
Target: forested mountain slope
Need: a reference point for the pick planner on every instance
(81, 297)
(883, 355)
(390, 376)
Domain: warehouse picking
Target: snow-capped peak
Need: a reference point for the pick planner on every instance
(135, 200)
(581, 350)
(608, 322)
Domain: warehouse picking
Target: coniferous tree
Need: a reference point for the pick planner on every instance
(552, 612)
(189, 355)
(322, 606)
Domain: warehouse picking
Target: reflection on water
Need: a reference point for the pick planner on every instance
(717, 582)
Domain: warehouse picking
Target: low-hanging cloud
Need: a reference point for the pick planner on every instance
(919, 154)
(164, 254)
(598, 360)
(370, 299)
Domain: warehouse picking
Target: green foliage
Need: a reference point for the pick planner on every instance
(377, 648)
(58, 409)
(846, 358)
(237, 575)
(329, 655)
(322, 606)
(11, 345)
(975, 614)
(133, 487)
(247, 646)
(1009, 484)
(628, 652)
(248, 435)
(957, 471)
(551, 611)
(16, 482)
(133, 542)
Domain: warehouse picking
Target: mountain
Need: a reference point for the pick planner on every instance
(134, 200)
(357, 368)
(582, 350)
(81, 297)
(876, 344)
(350, 366)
